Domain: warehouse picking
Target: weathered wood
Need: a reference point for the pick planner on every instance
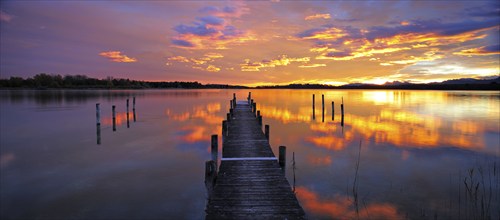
(98, 114)
(250, 183)
(282, 156)
(214, 147)
(266, 131)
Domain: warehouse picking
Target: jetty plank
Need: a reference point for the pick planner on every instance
(250, 183)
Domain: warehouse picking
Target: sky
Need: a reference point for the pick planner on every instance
(252, 42)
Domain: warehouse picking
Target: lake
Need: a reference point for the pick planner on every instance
(396, 154)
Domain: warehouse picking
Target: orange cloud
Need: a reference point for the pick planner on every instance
(282, 60)
(481, 51)
(116, 56)
(212, 68)
(342, 207)
(312, 65)
(179, 59)
(317, 16)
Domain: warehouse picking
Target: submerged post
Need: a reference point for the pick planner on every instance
(267, 131)
(98, 114)
(114, 118)
(128, 121)
(127, 105)
(214, 148)
(322, 108)
(342, 107)
(282, 157)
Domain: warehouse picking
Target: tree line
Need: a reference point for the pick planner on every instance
(50, 81)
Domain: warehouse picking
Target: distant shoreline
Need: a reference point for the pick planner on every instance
(81, 82)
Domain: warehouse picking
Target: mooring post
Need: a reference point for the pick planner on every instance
(133, 103)
(254, 107)
(234, 100)
(228, 116)
(128, 121)
(342, 107)
(314, 109)
(230, 104)
(251, 104)
(231, 112)
(98, 114)
(114, 118)
(282, 157)
(134, 114)
(127, 105)
(323, 102)
(260, 121)
(258, 114)
(266, 128)
(249, 97)
(215, 148)
(333, 111)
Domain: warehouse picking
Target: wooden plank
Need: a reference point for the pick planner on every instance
(250, 183)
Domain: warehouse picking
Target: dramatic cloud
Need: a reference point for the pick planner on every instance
(317, 16)
(312, 65)
(116, 56)
(281, 61)
(213, 31)
(199, 63)
(481, 51)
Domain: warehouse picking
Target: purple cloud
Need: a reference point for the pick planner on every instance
(182, 43)
(199, 29)
(212, 20)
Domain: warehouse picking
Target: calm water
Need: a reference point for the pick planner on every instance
(399, 154)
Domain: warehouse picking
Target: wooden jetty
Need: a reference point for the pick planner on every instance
(250, 183)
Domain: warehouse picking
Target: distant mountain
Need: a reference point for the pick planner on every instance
(472, 81)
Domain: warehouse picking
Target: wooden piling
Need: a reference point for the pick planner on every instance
(260, 121)
(210, 175)
(133, 104)
(114, 117)
(254, 109)
(230, 104)
(333, 111)
(322, 108)
(228, 116)
(134, 115)
(224, 129)
(128, 121)
(314, 108)
(98, 114)
(266, 132)
(127, 105)
(257, 115)
(282, 156)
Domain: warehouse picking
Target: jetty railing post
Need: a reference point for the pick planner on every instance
(228, 117)
(249, 97)
(234, 100)
(98, 114)
(282, 157)
(215, 148)
(266, 129)
(230, 104)
(254, 109)
(114, 117)
(258, 114)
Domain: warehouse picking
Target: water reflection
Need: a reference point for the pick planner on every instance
(418, 147)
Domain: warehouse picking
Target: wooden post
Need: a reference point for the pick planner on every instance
(231, 112)
(258, 114)
(267, 131)
(134, 114)
(254, 109)
(127, 105)
(128, 121)
(98, 114)
(323, 102)
(114, 118)
(228, 117)
(249, 97)
(214, 148)
(333, 111)
(234, 96)
(231, 104)
(282, 157)
(133, 104)
(342, 107)
(260, 121)
(314, 109)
